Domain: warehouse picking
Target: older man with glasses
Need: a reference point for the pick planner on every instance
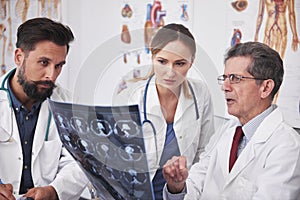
(256, 156)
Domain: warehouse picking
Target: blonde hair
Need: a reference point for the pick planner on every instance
(165, 35)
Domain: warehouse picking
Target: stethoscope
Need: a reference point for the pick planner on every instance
(147, 121)
(2, 88)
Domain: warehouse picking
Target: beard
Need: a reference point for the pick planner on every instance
(31, 87)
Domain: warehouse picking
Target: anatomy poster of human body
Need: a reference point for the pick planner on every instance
(108, 144)
(277, 24)
(15, 12)
(274, 22)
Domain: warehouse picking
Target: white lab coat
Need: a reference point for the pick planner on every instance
(192, 135)
(51, 163)
(267, 169)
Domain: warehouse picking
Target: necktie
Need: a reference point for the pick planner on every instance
(235, 144)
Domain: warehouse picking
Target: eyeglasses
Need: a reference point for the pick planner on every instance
(235, 78)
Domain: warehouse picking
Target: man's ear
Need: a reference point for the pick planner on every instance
(19, 56)
(266, 88)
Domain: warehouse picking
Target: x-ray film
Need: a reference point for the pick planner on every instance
(108, 144)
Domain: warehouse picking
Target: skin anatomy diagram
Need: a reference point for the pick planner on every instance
(108, 144)
(275, 33)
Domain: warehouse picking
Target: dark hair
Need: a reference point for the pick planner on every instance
(266, 62)
(40, 29)
(172, 32)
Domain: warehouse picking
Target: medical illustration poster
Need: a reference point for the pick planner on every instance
(277, 24)
(15, 12)
(108, 144)
(147, 16)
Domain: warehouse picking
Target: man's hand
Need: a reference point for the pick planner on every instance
(175, 172)
(42, 193)
(6, 192)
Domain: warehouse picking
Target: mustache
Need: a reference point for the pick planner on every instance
(50, 83)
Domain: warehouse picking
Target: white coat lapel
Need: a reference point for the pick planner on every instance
(7, 118)
(224, 150)
(156, 117)
(152, 101)
(40, 130)
(262, 134)
(183, 104)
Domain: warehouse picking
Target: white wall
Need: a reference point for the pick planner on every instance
(95, 66)
(97, 28)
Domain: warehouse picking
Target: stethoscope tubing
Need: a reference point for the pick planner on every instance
(145, 100)
(146, 120)
(2, 88)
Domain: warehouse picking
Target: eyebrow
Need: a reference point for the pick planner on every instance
(180, 60)
(48, 59)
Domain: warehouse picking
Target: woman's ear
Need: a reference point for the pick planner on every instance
(19, 56)
(266, 88)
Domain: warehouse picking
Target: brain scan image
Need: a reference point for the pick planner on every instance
(92, 165)
(63, 122)
(101, 127)
(113, 174)
(131, 152)
(133, 177)
(85, 146)
(79, 125)
(68, 140)
(104, 150)
(126, 128)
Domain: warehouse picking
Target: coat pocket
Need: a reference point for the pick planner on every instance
(47, 162)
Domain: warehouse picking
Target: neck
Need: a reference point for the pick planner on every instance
(168, 102)
(255, 113)
(166, 93)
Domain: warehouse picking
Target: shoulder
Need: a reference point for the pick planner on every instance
(198, 84)
(131, 93)
(200, 89)
(62, 94)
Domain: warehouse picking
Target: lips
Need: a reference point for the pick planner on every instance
(45, 84)
(229, 100)
(169, 81)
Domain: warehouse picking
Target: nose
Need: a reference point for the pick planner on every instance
(170, 71)
(226, 86)
(51, 73)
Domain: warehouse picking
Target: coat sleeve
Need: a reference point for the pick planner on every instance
(70, 180)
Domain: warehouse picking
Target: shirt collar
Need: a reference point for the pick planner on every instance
(250, 127)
